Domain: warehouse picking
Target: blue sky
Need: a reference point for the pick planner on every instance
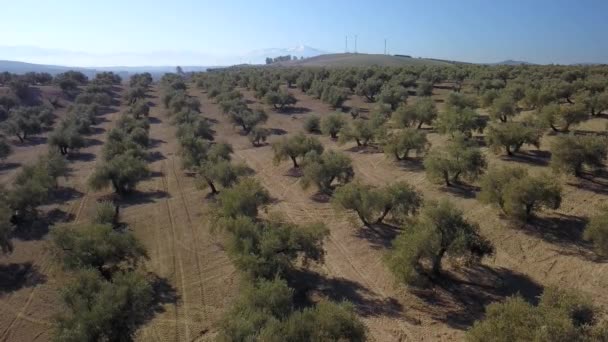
(207, 32)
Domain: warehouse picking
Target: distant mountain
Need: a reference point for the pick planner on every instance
(512, 62)
(362, 59)
(21, 68)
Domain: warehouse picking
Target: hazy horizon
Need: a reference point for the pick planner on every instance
(187, 32)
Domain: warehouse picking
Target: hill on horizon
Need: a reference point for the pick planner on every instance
(363, 59)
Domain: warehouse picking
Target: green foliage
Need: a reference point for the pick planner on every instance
(422, 112)
(503, 108)
(393, 95)
(6, 226)
(518, 194)
(372, 205)
(258, 135)
(574, 153)
(561, 315)
(334, 96)
(265, 312)
(399, 144)
(597, 232)
(295, 146)
(122, 172)
(312, 124)
(361, 131)
(424, 89)
(440, 230)
(459, 158)
(222, 172)
(332, 124)
(511, 136)
(323, 169)
(139, 109)
(242, 199)
(455, 120)
(267, 249)
(105, 213)
(5, 148)
(560, 118)
(99, 310)
(97, 246)
(280, 99)
(369, 88)
(25, 121)
(66, 138)
(248, 119)
(461, 101)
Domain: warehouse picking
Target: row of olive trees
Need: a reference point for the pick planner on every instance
(124, 154)
(104, 257)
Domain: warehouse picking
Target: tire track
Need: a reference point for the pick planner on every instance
(177, 260)
(195, 240)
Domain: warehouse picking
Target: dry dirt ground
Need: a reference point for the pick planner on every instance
(197, 282)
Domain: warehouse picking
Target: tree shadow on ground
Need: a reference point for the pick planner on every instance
(293, 110)
(277, 131)
(138, 197)
(163, 293)
(534, 157)
(153, 121)
(462, 190)
(307, 283)
(369, 149)
(32, 141)
(412, 164)
(295, 172)
(82, 156)
(565, 231)
(459, 298)
(155, 156)
(34, 228)
(321, 197)
(63, 194)
(8, 166)
(156, 142)
(379, 235)
(93, 142)
(16, 276)
(596, 183)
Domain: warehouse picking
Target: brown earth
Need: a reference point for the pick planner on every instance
(198, 282)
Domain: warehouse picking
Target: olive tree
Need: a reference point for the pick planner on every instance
(561, 117)
(363, 132)
(25, 121)
(66, 138)
(122, 172)
(369, 88)
(248, 119)
(280, 99)
(6, 226)
(455, 120)
(295, 146)
(332, 124)
(334, 96)
(268, 248)
(312, 124)
(518, 194)
(399, 144)
(100, 310)
(458, 159)
(561, 315)
(440, 230)
(372, 205)
(242, 199)
(423, 112)
(97, 246)
(597, 232)
(325, 168)
(574, 153)
(5, 148)
(503, 108)
(511, 136)
(393, 95)
(219, 172)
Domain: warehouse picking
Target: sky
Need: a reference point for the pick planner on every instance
(202, 32)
